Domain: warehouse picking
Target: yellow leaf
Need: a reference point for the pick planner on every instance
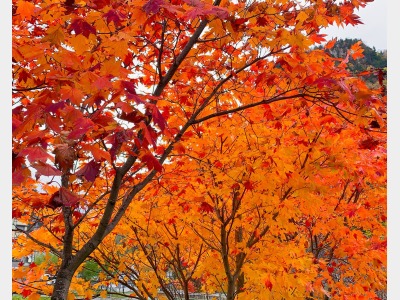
(122, 267)
(89, 294)
(71, 296)
(103, 294)
(301, 17)
(321, 20)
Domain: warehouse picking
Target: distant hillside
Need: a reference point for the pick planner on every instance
(372, 59)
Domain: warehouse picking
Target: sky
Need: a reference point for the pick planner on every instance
(374, 30)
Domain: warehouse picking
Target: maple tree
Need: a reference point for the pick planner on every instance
(283, 214)
(115, 101)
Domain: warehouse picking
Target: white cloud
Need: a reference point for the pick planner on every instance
(374, 30)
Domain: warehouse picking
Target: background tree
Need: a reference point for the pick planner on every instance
(104, 91)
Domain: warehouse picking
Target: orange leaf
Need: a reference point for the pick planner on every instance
(330, 44)
(34, 296)
(54, 35)
(103, 294)
(25, 9)
(179, 148)
(356, 51)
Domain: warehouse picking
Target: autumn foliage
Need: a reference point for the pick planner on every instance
(189, 146)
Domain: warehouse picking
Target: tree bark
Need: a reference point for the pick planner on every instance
(63, 281)
(230, 294)
(65, 273)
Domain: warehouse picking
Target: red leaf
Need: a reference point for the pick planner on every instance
(15, 123)
(82, 126)
(54, 107)
(114, 16)
(268, 112)
(261, 21)
(129, 87)
(268, 284)
(248, 185)
(18, 177)
(260, 78)
(147, 134)
(23, 76)
(117, 140)
(381, 74)
(16, 213)
(101, 3)
(135, 97)
(201, 10)
(125, 107)
(134, 116)
(344, 86)
(35, 154)
(218, 164)
(80, 26)
(153, 6)
(206, 208)
(158, 117)
(90, 171)
(65, 157)
(369, 144)
(128, 59)
(324, 81)
(219, 12)
(240, 21)
(151, 162)
(46, 170)
(102, 83)
(55, 200)
(25, 293)
(54, 123)
(278, 125)
(68, 198)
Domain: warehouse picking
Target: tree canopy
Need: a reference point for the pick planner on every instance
(176, 145)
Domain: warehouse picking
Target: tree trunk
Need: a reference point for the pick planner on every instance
(66, 271)
(186, 290)
(230, 295)
(63, 281)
